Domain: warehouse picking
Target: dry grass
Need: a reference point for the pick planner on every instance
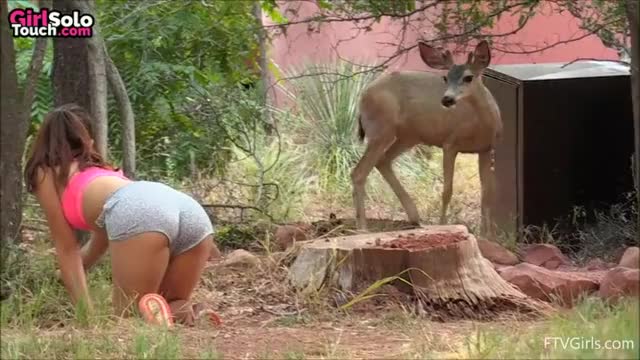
(265, 318)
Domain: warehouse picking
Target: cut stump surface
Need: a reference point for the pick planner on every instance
(442, 264)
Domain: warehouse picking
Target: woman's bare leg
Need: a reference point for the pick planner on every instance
(138, 265)
(182, 276)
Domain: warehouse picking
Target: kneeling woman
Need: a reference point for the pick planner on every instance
(159, 238)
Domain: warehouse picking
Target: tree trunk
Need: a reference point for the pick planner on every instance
(70, 66)
(16, 111)
(263, 64)
(633, 7)
(127, 118)
(11, 188)
(70, 74)
(442, 264)
(97, 77)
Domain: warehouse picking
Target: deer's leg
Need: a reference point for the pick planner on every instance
(448, 164)
(375, 150)
(487, 182)
(385, 167)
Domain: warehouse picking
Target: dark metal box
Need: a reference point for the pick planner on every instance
(568, 141)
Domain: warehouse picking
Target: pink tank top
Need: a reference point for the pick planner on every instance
(72, 195)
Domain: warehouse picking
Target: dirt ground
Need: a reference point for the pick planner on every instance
(355, 338)
(264, 318)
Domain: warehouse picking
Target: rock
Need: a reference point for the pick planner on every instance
(618, 282)
(547, 285)
(286, 235)
(496, 253)
(630, 258)
(240, 258)
(598, 264)
(500, 268)
(545, 255)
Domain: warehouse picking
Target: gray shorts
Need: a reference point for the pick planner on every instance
(144, 206)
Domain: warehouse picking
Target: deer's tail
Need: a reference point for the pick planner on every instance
(360, 129)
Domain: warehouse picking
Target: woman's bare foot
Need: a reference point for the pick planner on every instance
(183, 313)
(186, 313)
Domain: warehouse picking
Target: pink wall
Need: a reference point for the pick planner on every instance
(345, 41)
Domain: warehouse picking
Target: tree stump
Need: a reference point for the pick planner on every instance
(441, 266)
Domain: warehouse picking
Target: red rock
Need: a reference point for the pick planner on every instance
(241, 259)
(545, 255)
(287, 235)
(548, 285)
(598, 264)
(618, 282)
(500, 268)
(496, 253)
(630, 258)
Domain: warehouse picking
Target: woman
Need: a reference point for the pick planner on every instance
(159, 238)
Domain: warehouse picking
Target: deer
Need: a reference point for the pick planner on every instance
(455, 112)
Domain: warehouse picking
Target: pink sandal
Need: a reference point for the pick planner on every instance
(200, 310)
(155, 310)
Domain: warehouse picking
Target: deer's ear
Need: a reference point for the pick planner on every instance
(481, 56)
(435, 58)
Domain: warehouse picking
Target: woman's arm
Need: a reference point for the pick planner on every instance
(94, 249)
(67, 248)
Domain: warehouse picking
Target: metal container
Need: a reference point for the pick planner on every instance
(567, 143)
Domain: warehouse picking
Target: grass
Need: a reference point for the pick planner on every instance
(38, 322)
(585, 332)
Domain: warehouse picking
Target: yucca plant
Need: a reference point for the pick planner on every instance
(326, 103)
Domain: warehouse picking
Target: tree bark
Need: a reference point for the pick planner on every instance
(440, 265)
(70, 66)
(263, 64)
(632, 9)
(97, 77)
(127, 118)
(10, 191)
(16, 111)
(70, 74)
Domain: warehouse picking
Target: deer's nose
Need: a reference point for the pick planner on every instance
(447, 101)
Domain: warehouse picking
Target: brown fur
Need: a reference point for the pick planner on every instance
(402, 109)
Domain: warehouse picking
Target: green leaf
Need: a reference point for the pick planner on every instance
(24, 4)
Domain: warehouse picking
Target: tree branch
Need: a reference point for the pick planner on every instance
(127, 117)
(335, 19)
(97, 80)
(35, 67)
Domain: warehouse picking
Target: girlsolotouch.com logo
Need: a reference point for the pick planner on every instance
(50, 23)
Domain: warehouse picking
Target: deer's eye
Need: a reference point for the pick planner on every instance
(467, 78)
(444, 78)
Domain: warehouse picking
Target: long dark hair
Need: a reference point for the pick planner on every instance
(66, 135)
